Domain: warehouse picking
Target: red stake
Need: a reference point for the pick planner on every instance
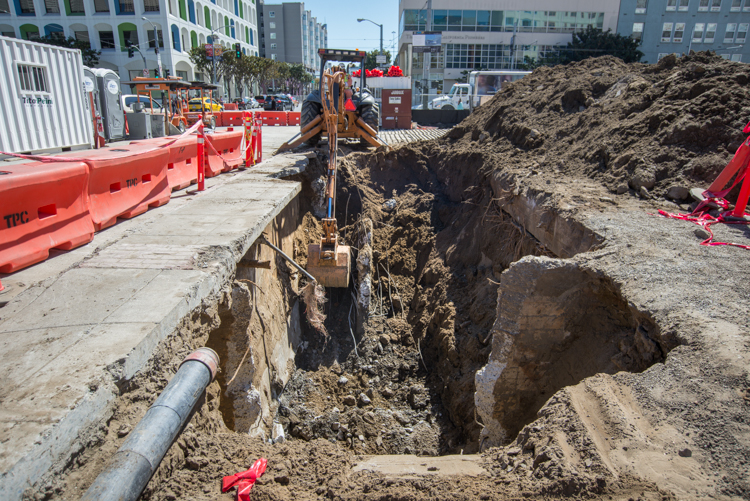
(259, 154)
(201, 155)
(2, 288)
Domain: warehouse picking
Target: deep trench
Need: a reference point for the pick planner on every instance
(408, 386)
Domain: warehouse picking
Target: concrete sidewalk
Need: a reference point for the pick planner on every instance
(75, 325)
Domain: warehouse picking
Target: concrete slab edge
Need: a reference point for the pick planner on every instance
(59, 443)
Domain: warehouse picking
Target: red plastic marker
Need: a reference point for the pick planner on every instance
(245, 479)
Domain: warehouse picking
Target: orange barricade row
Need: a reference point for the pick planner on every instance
(229, 145)
(274, 118)
(293, 117)
(43, 206)
(126, 186)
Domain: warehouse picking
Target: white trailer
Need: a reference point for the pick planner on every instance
(42, 98)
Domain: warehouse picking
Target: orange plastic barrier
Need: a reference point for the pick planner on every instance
(229, 145)
(231, 107)
(126, 186)
(293, 117)
(274, 117)
(43, 206)
(182, 166)
(231, 118)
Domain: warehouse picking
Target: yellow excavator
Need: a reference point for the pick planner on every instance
(336, 110)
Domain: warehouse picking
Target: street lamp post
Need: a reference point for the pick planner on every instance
(156, 44)
(213, 50)
(381, 32)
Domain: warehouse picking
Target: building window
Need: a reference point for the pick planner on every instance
(271, 13)
(742, 33)
(272, 25)
(671, 4)
(151, 5)
(32, 78)
(9, 34)
(666, 32)
(51, 6)
(703, 5)
(130, 37)
(640, 6)
(27, 7)
(4, 8)
(725, 56)
(715, 5)
(273, 45)
(698, 32)
(684, 4)
(152, 42)
(737, 58)
(76, 7)
(710, 32)
(273, 56)
(746, 7)
(679, 31)
(273, 36)
(736, 6)
(126, 6)
(182, 74)
(101, 5)
(82, 36)
(637, 31)
(107, 39)
(729, 34)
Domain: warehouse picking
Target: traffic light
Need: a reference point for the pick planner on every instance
(131, 49)
(166, 73)
(238, 50)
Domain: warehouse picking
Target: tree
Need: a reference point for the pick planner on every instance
(89, 55)
(199, 58)
(593, 42)
(371, 62)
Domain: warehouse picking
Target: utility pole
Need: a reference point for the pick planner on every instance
(156, 44)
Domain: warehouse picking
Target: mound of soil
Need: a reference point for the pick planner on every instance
(627, 126)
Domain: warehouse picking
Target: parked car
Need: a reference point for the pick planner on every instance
(283, 103)
(253, 103)
(261, 100)
(210, 104)
(129, 99)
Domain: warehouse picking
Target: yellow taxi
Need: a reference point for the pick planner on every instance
(210, 105)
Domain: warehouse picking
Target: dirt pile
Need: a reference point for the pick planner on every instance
(660, 127)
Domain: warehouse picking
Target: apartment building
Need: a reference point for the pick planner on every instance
(109, 24)
(291, 34)
(678, 26)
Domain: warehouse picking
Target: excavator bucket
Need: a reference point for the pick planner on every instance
(331, 268)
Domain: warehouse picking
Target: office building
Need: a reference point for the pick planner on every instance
(494, 34)
(108, 24)
(291, 34)
(678, 26)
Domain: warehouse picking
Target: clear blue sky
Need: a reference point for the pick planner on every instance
(344, 32)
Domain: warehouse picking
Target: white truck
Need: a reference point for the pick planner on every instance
(480, 89)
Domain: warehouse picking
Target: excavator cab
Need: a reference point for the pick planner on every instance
(359, 114)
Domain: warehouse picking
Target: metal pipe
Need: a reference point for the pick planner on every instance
(132, 466)
(300, 268)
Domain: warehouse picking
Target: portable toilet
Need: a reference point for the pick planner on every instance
(92, 97)
(110, 103)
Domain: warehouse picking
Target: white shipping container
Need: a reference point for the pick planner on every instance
(42, 98)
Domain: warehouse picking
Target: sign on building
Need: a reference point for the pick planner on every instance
(427, 41)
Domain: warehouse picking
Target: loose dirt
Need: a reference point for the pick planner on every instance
(588, 151)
